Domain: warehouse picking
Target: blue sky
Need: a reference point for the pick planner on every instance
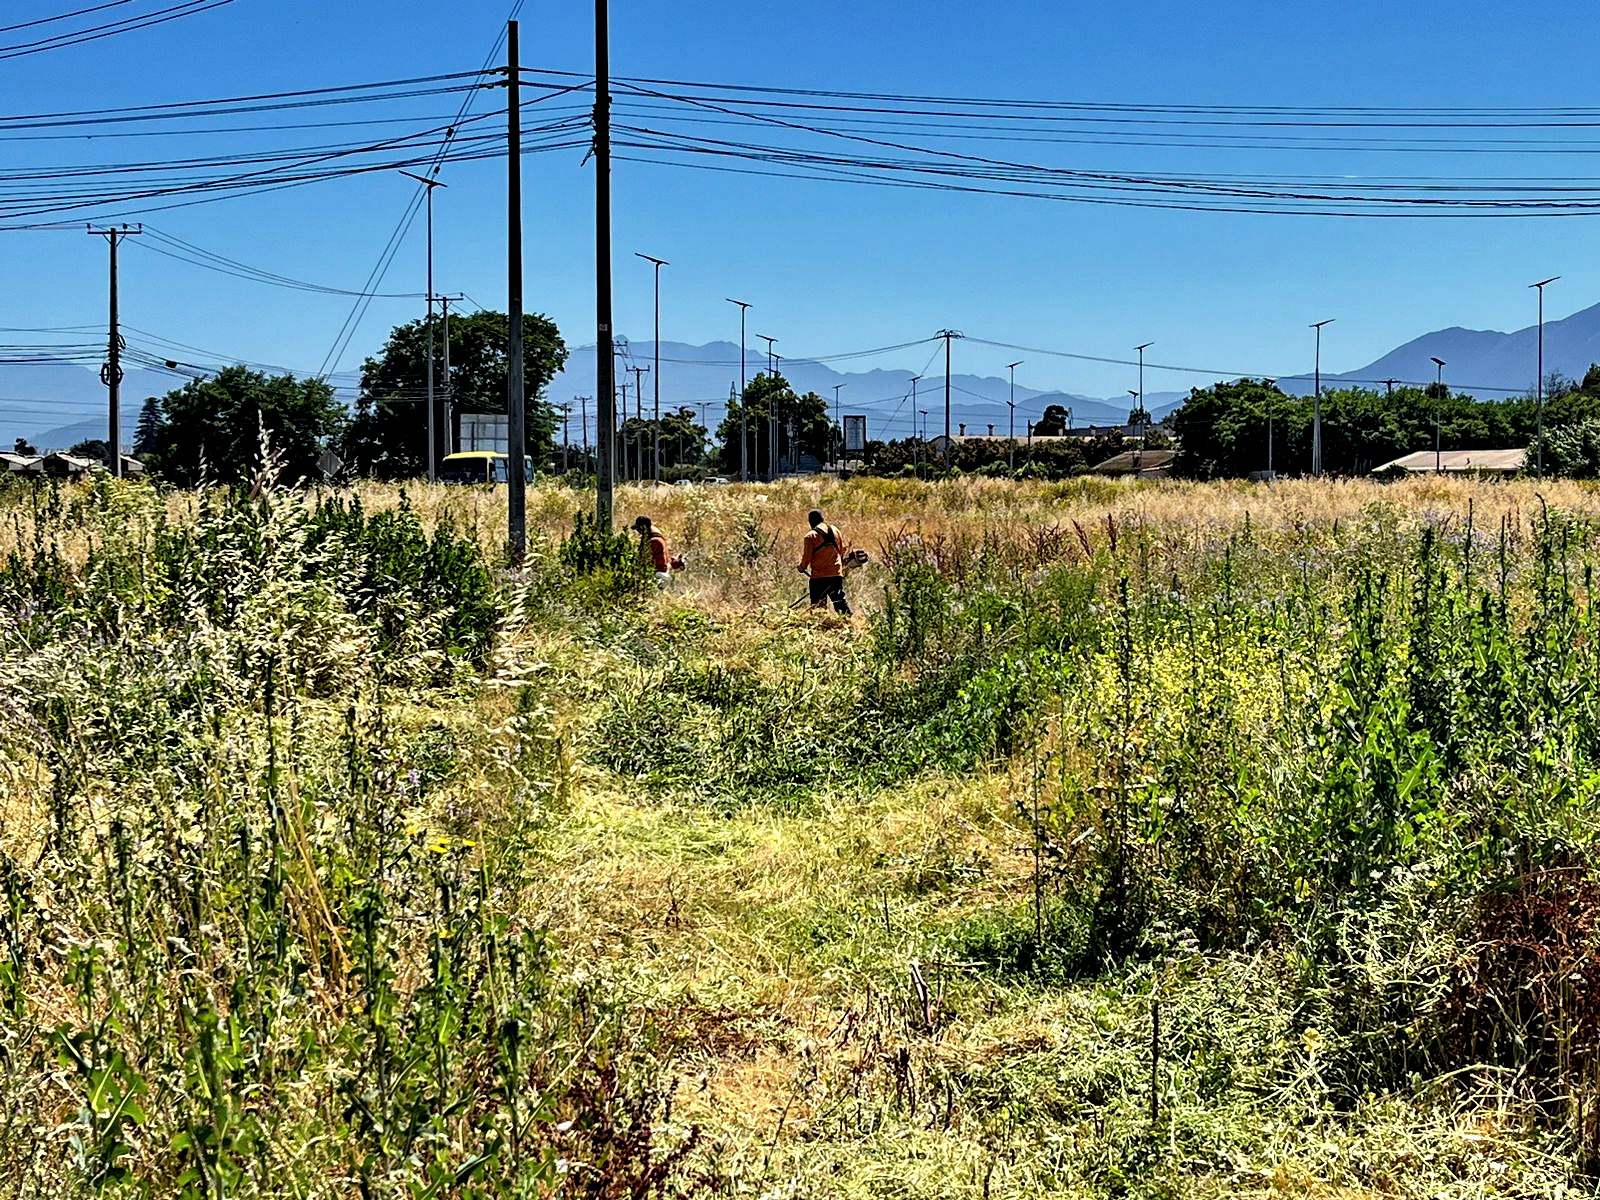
(830, 267)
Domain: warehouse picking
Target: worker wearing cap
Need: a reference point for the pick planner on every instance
(823, 559)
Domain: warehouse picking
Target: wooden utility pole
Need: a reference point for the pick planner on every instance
(948, 335)
(111, 373)
(606, 385)
(516, 428)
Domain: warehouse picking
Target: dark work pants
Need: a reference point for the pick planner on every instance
(829, 588)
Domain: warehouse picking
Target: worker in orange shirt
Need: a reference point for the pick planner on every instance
(655, 547)
(823, 558)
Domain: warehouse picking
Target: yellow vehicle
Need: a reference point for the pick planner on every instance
(480, 466)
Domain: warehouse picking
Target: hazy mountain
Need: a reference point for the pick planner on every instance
(1483, 362)
(57, 404)
(706, 374)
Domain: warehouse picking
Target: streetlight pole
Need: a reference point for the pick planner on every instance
(1438, 402)
(655, 472)
(433, 441)
(744, 414)
(1316, 404)
(1538, 440)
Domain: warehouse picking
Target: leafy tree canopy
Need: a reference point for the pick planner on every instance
(388, 433)
(211, 428)
(96, 448)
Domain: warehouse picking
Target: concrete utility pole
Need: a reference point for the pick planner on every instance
(1140, 392)
(838, 424)
(448, 432)
(516, 427)
(638, 412)
(771, 438)
(433, 439)
(111, 373)
(606, 385)
(1138, 455)
(775, 428)
(1316, 404)
(1388, 386)
(948, 335)
(1010, 404)
(655, 469)
(1438, 404)
(744, 414)
(566, 434)
(1538, 440)
(583, 415)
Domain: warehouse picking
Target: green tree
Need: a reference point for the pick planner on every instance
(388, 435)
(148, 433)
(96, 448)
(1571, 451)
(1222, 430)
(802, 425)
(1052, 423)
(212, 427)
(23, 446)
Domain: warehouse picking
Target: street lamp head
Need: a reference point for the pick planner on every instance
(1320, 324)
(1133, 393)
(1542, 282)
(1438, 362)
(1144, 347)
(740, 303)
(424, 180)
(660, 262)
(1014, 366)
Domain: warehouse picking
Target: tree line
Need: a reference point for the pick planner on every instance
(1233, 429)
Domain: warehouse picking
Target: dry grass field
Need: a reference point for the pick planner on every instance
(1133, 839)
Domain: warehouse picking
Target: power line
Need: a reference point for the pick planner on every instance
(186, 8)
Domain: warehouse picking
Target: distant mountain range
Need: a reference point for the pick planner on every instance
(35, 399)
(1481, 362)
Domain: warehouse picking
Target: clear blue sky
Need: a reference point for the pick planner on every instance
(830, 267)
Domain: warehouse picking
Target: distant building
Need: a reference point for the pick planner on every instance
(1145, 464)
(20, 464)
(1457, 462)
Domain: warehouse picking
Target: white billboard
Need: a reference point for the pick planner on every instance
(855, 435)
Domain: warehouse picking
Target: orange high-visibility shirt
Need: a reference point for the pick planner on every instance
(658, 552)
(824, 553)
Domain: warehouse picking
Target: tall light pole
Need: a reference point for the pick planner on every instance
(1538, 440)
(1438, 402)
(1316, 403)
(744, 422)
(655, 469)
(914, 409)
(433, 452)
(1011, 423)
